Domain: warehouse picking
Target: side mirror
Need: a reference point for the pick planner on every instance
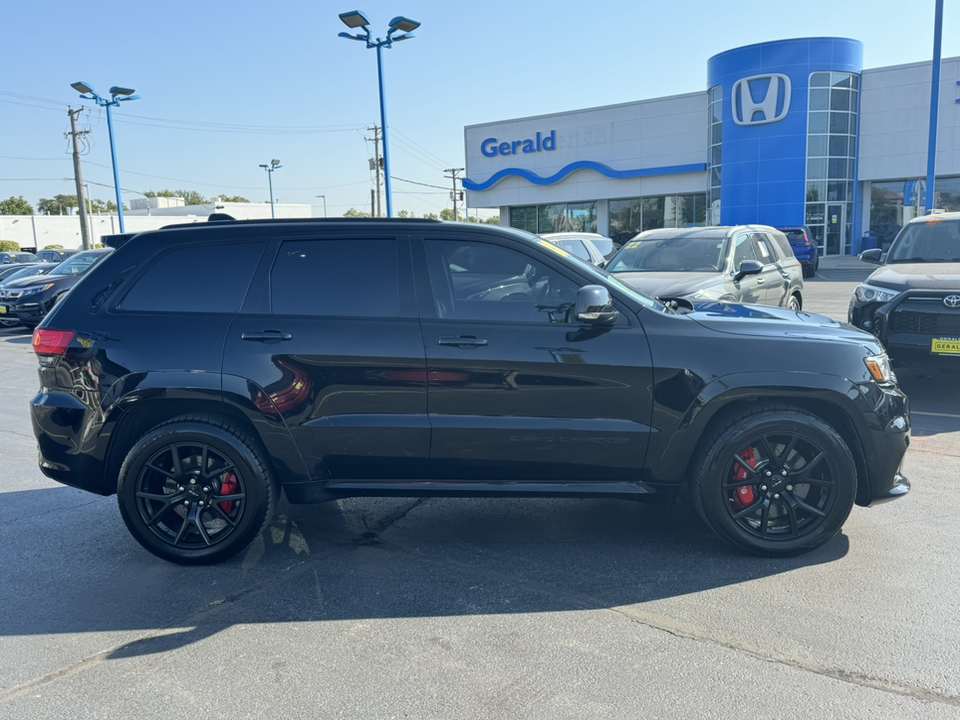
(748, 267)
(871, 256)
(594, 306)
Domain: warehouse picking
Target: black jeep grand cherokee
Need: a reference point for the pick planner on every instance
(912, 303)
(200, 370)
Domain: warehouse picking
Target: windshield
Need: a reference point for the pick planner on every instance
(78, 264)
(676, 254)
(27, 272)
(22, 258)
(934, 241)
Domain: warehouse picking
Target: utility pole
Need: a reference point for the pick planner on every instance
(377, 162)
(453, 176)
(78, 177)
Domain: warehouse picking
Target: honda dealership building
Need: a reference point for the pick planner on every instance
(793, 132)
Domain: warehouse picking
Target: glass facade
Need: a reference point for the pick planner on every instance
(894, 203)
(556, 217)
(633, 215)
(831, 159)
(714, 151)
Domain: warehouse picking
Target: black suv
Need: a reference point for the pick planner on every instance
(201, 369)
(912, 303)
(30, 299)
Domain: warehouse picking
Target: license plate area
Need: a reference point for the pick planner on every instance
(945, 346)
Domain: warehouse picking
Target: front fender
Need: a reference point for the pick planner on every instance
(837, 398)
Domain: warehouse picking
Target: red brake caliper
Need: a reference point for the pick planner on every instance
(229, 487)
(745, 496)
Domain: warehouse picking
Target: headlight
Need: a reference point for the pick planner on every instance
(868, 293)
(880, 370)
(35, 290)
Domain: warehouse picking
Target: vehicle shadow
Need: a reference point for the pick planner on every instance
(71, 566)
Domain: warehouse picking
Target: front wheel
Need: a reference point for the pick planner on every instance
(793, 303)
(196, 490)
(774, 481)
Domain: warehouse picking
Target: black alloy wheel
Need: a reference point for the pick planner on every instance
(196, 490)
(778, 481)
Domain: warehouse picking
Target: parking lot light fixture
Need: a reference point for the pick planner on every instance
(354, 20)
(117, 95)
(274, 165)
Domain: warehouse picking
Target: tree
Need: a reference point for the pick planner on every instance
(191, 197)
(356, 213)
(159, 193)
(233, 198)
(15, 206)
(57, 205)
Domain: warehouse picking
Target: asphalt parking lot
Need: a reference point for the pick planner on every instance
(484, 608)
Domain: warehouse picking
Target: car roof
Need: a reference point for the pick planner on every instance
(935, 217)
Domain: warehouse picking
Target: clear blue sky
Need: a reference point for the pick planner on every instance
(227, 86)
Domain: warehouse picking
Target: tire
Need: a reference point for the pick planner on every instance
(793, 303)
(8, 323)
(747, 481)
(809, 271)
(185, 514)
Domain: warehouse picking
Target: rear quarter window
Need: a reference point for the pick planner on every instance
(196, 279)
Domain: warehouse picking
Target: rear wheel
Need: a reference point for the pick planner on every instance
(196, 490)
(774, 481)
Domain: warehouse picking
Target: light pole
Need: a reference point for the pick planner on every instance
(324, 204)
(117, 96)
(274, 165)
(356, 19)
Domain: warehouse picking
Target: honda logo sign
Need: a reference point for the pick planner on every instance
(771, 107)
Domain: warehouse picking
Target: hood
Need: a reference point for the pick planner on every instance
(31, 281)
(758, 321)
(670, 284)
(917, 276)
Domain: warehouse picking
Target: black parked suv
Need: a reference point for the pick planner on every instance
(336, 358)
(912, 302)
(30, 299)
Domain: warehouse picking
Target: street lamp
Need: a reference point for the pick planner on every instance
(324, 204)
(117, 96)
(356, 19)
(274, 165)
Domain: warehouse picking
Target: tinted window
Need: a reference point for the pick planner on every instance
(196, 279)
(356, 278)
(477, 281)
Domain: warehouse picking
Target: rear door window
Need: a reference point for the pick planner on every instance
(354, 277)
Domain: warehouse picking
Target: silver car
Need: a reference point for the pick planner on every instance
(751, 264)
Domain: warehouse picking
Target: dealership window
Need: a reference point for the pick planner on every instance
(831, 159)
(556, 217)
(714, 151)
(894, 203)
(633, 215)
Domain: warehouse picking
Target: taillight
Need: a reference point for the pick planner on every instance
(806, 238)
(52, 342)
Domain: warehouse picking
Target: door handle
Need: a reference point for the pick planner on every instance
(759, 281)
(462, 341)
(267, 336)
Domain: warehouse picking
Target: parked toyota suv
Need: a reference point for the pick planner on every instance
(333, 358)
(912, 302)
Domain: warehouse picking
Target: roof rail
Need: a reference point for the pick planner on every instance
(221, 217)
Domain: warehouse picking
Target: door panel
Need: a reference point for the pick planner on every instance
(336, 352)
(517, 391)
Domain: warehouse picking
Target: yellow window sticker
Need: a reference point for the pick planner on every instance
(557, 250)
